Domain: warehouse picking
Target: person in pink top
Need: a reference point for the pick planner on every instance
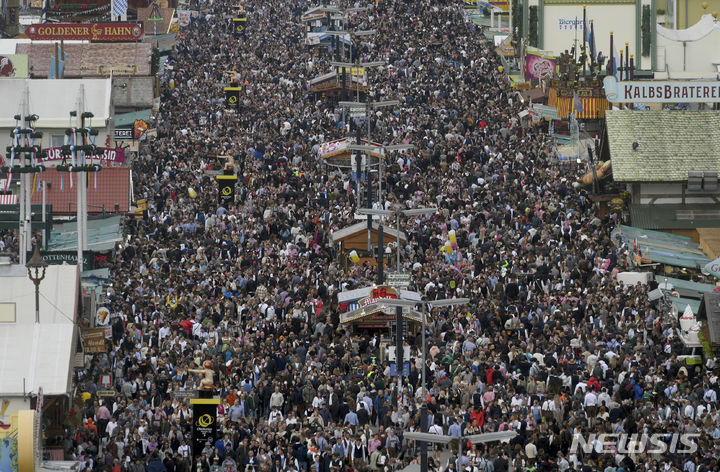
(102, 416)
(374, 443)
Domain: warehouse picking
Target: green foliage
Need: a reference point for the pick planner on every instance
(645, 30)
(533, 26)
(518, 18)
(155, 62)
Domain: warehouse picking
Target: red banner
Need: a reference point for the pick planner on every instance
(108, 155)
(86, 31)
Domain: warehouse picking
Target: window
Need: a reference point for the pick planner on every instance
(58, 140)
(7, 313)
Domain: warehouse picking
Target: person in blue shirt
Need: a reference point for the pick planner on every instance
(455, 430)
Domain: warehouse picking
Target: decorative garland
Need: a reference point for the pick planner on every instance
(99, 9)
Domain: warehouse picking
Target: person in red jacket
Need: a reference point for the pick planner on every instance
(489, 375)
(477, 418)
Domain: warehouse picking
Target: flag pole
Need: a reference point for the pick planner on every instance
(627, 60)
(593, 52)
(584, 49)
(611, 59)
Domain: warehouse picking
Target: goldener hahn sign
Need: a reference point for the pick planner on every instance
(108, 155)
(86, 31)
(661, 92)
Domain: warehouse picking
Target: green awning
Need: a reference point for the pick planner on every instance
(128, 119)
(102, 235)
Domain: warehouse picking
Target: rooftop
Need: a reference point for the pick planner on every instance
(669, 144)
(86, 60)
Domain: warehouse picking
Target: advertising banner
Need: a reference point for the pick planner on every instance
(183, 17)
(204, 427)
(108, 155)
(661, 92)
(539, 67)
(14, 66)
(85, 31)
(239, 27)
(226, 188)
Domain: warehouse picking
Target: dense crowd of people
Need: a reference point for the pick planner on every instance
(550, 345)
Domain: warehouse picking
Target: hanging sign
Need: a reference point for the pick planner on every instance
(661, 92)
(85, 31)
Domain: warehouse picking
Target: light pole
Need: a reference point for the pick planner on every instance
(397, 213)
(423, 412)
(35, 265)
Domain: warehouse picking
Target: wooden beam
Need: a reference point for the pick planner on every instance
(49, 404)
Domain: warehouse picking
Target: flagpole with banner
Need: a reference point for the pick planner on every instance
(119, 10)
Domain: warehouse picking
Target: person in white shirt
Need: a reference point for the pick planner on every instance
(163, 332)
(590, 403)
(112, 424)
(689, 411)
(184, 449)
(275, 415)
(604, 398)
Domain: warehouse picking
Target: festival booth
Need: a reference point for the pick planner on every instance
(338, 154)
(363, 309)
(352, 241)
(330, 86)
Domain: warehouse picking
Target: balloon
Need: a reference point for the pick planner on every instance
(500, 68)
(354, 256)
(451, 235)
(192, 192)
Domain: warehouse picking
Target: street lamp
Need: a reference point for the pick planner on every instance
(423, 412)
(34, 266)
(410, 212)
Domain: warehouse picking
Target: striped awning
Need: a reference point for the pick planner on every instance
(552, 97)
(592, 108)
(8, 200)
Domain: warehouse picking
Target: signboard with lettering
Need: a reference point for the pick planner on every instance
(93, 340)
(117, 70)
(569, 24)
(67, 257)
(378, 294)
(108, 155)
(123, 134)
(398, 279)
(85, 31)
(661, 92)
